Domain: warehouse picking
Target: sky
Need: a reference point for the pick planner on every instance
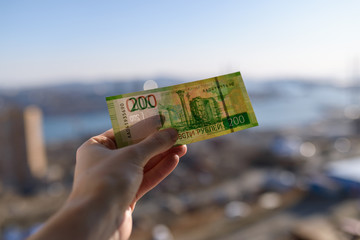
(45, 42)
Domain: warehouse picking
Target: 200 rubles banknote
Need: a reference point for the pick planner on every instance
(198, 110)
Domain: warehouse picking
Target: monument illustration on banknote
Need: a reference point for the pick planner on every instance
(198, 110)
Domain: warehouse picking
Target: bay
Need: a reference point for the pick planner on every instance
(297, 107)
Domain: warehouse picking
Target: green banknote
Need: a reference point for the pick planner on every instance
(199, 110)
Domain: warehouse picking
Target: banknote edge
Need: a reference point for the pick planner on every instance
(248, 103)
(172, 86)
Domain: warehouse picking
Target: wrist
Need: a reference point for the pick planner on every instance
(87, 218)
(91, 207)
(104, 193)
(91, 217)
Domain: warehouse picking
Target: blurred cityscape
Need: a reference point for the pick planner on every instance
(296, 176)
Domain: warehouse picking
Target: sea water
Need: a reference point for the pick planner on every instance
(292, 105)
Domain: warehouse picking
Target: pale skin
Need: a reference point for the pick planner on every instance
(107, 184)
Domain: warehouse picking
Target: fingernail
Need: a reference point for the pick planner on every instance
(173, 133)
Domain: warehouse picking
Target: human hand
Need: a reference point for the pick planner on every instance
(115, 179)
(107, 184)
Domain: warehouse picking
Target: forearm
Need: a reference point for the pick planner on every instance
(82, 219)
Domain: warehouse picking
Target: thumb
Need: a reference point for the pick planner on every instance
(153, 145)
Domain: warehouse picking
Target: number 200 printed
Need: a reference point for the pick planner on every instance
(141, 103)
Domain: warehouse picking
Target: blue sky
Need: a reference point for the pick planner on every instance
(44, 42)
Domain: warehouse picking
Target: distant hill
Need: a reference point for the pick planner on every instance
(73, 98)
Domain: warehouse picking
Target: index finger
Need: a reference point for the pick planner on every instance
(109, 134)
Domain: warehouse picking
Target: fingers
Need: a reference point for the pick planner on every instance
(153, 145)
(160, 167)
(155, 175)
(105, 139)
(109, 134)
(178, 150)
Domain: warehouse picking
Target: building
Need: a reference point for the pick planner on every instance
(22, 151)
(205, 111)
(35, 147)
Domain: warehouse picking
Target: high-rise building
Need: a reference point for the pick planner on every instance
(35, 146)
(22, 151)
(14, 168)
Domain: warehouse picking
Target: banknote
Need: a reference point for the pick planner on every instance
(199, 110)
